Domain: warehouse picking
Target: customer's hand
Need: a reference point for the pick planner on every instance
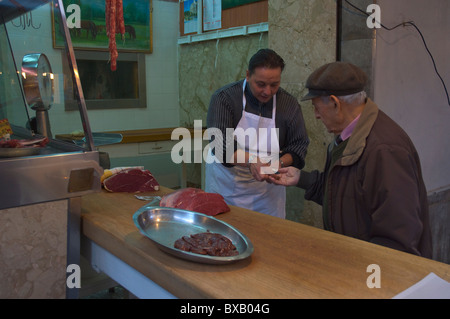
(287, 176)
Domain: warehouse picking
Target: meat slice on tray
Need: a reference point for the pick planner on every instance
(131, 181)
(15, 143)
(196, 200)
(211, 244)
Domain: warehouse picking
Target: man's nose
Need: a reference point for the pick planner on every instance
(267, 90)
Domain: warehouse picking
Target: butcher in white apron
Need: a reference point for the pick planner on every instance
(236, 184)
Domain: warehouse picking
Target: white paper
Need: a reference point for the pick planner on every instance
(212, 14)
(431, 287)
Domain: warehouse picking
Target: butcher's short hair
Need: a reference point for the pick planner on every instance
(265, 58)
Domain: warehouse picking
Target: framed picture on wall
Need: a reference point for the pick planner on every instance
(105, 89)
(92, 32)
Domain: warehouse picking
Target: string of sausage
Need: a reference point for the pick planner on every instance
(114, 24)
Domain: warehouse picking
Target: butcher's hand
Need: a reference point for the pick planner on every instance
(287, 176)
(258, 174)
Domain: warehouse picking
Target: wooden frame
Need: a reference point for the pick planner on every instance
(104, 89)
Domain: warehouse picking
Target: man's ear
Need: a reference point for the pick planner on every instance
(337, 103)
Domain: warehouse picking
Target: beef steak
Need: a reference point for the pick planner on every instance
(131, 181)
(196, 200)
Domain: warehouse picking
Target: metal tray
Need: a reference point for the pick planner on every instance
(164, 225)
(19, 152)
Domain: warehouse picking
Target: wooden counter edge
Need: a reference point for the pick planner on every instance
(146, 260)
(153, 270)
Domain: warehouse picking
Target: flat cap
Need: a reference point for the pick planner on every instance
(336, 78)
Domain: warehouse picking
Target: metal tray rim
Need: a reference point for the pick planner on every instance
(192, 256)
(19, 152)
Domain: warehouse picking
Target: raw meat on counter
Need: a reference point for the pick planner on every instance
(195, 200)
(15, 143)
(111, 171)
(132, 180)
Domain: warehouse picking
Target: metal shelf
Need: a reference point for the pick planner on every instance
(227, 33)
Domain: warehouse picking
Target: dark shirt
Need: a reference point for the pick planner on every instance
(225, 111)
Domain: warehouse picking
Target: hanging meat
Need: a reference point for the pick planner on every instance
(114, 24)
(120, 23)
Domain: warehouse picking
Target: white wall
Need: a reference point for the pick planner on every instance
(36, 38)
(162, 80)
(161, 68)
(406, 85)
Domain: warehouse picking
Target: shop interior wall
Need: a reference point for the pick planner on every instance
(408, 89)
(304, 34)
(406, 84)
(161, 81)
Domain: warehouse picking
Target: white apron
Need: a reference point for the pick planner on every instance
(236, 184)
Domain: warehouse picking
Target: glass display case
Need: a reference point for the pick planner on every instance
(36, 164)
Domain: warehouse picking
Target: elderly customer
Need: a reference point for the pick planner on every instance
(372, 187)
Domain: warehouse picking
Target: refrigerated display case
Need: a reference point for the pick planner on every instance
(37, 80)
